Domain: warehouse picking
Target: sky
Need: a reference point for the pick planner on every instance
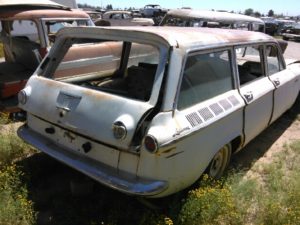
(285, 7)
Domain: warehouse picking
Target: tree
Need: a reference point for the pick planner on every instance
(109, 7)
(248, 12)
(271, 13)
(257, 14)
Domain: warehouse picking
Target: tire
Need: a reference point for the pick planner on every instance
(220, 162)
(285, 38)
(102, 23)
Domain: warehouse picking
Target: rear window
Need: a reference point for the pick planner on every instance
(121, 68)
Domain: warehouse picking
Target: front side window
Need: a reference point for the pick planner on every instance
(274, 63)
(250, 63)
(117, 16)
(127, 16)
(205, 76)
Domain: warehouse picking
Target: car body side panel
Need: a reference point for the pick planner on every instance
(182, 162)
(286, 92)
(259, 106)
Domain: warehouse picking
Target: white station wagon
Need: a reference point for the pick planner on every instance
(150, 109)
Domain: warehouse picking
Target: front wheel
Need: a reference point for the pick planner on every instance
(220, 161)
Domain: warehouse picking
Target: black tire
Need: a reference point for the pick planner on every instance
(220, 162)
(102, 23)
(285, 38)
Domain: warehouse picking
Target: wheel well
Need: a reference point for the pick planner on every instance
(236, 144)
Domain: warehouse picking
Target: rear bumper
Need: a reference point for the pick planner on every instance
(111, 177)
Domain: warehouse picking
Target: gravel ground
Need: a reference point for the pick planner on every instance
(293, 50)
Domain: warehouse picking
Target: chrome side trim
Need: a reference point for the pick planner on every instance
(106, 175)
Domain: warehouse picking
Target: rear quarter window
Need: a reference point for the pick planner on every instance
(205, 76)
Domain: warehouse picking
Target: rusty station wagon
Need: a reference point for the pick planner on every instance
(159, 107)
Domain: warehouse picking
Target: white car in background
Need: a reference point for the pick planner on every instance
(152, 10)
(122, 18)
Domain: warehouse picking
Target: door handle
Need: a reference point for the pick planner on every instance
(277, 82)
(249, 96)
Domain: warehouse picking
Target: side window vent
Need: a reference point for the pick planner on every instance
(234, 101)
(216, 108)
(225, 104)
(206, 114)
(193, 119)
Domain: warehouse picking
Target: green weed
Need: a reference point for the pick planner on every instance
(12, 148)
(272, 199)
(15, 208)
(1, 50)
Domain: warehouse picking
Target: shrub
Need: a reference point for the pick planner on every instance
(15, 208)
(211, 203)
(271, 198)
(1, 50)
(12, 148)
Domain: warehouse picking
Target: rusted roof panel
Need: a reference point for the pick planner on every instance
(27, 4)
(42, 13)
(184, 37)
(213, 16)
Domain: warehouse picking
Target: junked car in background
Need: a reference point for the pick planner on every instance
(205, 18)
(28, 30)
(159, 107)
(291, 32)
(153, 10)
(122, 18)
(271, 25)
(215, 19)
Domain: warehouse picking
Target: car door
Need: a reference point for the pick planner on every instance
(255, 88)
(284, 80)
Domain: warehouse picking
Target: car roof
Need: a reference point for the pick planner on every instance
(213, 15)
(179, 37)
(22, 4)
(42, 13)
(117, 11)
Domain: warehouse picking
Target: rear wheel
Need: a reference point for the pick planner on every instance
(220, 162)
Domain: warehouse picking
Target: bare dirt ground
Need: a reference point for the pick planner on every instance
(293, 50)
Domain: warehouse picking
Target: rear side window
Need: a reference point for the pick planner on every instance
(250, 63)
(25, 29)
(274, 63)
(205, 76)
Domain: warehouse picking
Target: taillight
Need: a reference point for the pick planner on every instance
(151, 143)
(23, 95)
(119, 130)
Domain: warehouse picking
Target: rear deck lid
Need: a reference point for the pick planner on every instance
(90, 113)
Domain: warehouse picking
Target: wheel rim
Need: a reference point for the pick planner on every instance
(220, 162)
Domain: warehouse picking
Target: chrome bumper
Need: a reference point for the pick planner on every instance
(104, 174)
